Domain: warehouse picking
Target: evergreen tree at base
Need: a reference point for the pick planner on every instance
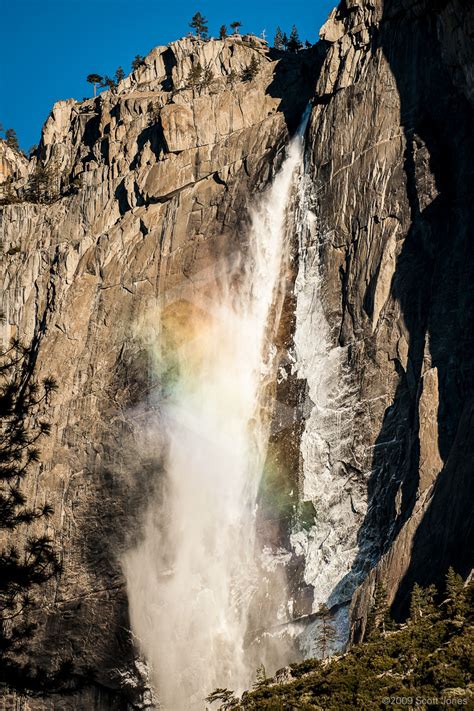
(431, 657)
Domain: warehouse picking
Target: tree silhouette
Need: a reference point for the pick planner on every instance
(285, 41)
(137, 62)
(225, 697)
(294, 43)
(29, 561)
(11, 139)
(235, 26)
(222, 32)
(251, 70)
(119, 74)
(278, 40)
(108, 82)
(96, 80)
(199, 25)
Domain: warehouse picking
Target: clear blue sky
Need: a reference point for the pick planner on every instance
(49, 46)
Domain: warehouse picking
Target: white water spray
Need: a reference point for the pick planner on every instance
(192, 577)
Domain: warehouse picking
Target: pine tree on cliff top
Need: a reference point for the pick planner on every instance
(96, 80)
(12, 139)
(119, 74)
(137, 62)
(199, 25)
(278, 40)
(294, 43)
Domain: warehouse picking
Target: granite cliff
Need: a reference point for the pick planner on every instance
(392, 192)
(149, 189)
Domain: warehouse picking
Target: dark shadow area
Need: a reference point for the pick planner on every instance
(294, 81)
(434, 286)
(169, 60)
(92, 131)
(152, 134)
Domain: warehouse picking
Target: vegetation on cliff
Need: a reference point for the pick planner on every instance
(431, 656)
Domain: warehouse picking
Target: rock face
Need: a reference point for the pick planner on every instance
(152, 183)
(13, 168)
(391, 165)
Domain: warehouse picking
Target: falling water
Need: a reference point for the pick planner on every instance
(192, 577)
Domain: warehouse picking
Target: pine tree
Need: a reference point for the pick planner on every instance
(378, 619)
(108, 82)
(422, 606)
(278, 41)
(294, 44)
(455, 602)
(251, 70)
(261, 675)
(199, 25)
(232, 77)
(43, 183)
(236, 26)
(222, 32)
(226, 698)
(29, 561)
(326, 632)
(11, 139)
(195, 74)
(119, 75)
(207, 77)
(96, 80)
(454, 584)
(9, 194)
(137, 62)
(285, 41)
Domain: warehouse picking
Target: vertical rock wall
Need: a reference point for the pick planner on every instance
(391, 163)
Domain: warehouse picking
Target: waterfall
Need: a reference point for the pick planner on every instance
(192, 576)
(328, 546)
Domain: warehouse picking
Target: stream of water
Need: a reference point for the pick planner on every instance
(192, 577)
